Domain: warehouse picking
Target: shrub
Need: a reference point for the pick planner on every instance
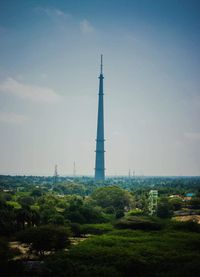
(141, 223)
(119, 214)
(190, 226)
(76, 229)
(58, 219)
(45, 238)
(130, 253)
(135, 212)
(26, 201)
(164, 209)
(96, 229)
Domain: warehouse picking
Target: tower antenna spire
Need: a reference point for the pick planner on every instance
(99, 161)
(101, 64)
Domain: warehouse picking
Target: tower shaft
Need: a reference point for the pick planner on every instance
(99, 162)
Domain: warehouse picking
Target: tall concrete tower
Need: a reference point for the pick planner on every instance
(99, 163)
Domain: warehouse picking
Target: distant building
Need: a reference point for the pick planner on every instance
(188, 196)
(55, 177)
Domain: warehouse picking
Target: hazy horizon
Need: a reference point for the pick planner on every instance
(50, 61)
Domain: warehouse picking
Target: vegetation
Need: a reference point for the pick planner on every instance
(128, 252)
(46, 238)
(113, 199)
(80, 228)
(139, 222)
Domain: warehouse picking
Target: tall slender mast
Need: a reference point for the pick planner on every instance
(99, 163)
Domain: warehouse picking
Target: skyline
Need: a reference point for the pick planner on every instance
(49, 56)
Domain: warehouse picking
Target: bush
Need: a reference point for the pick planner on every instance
(84, 213)
(58, 219)
(176, 203)
(119, 214)
(26, 201)
(164, 209)
(190, 226)
(141, 223)
(96, 229)
(135, 212)
(76, 229)
(61, 265)
(45, 238)
(130, 253)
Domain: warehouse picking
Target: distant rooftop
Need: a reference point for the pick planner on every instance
(190, 194)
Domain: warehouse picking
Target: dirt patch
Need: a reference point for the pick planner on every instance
(195, 218)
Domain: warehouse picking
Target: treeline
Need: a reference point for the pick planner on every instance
(20, 210)
(85, 185)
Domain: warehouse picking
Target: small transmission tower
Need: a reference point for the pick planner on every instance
(129, 176)
(153, 201)
(74, 170)
(55, 177)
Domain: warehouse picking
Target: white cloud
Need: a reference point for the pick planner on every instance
(86, 27)
(31, 92)
(52, 13)
(192, 135)
(12, 118)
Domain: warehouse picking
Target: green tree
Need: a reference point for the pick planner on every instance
(164, 209)
(7, 219)
(176, 203)
(58, 219)
(36, 192)
(113, 198)
(82, 211)
(46, 214)
(26, 201)
(23, 217)
(45, 238)
(5, 196)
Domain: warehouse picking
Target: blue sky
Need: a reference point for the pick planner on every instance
(50, 55)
